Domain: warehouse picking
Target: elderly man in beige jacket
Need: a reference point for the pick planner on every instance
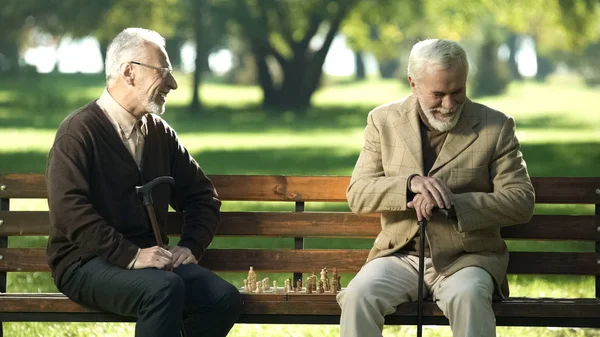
(436, 149)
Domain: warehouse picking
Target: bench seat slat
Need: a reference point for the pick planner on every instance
(549, 190)
(324, 224)
(350, 260)
(18, 307)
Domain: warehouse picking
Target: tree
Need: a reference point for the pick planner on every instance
(382, 27)
(281, 36)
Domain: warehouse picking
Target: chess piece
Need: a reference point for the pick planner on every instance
(259, 287)
(252, 279)
(320, 290)
(246, 289)
(323, 274)
(335, 281)
(286, 286)
(275, 286)
(299, 285)
(326, 286)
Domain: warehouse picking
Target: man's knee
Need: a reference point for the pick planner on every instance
(363, 294)
(473, 291)
(231, 302)
(170, 289)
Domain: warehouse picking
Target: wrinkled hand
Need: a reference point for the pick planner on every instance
(423, 206)
(432, 189)
(154, 257)
(182, 255)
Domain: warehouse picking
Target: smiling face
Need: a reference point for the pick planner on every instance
(153, 85)
(441, 94)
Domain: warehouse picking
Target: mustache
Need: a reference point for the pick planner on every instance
(445, 111)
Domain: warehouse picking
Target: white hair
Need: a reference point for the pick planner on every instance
(127, 46)
(434, 54)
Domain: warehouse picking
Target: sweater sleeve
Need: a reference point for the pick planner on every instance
(196, 197)
(71, 211)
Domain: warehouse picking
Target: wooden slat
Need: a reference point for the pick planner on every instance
(321, 304)
(556, 227)
(551, 190)
(557, 190)
(309, 260)
(324, 224)
(229, 187)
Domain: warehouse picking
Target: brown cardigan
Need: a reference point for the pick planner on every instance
(94, 209)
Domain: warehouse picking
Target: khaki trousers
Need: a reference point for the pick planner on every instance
(465, 297)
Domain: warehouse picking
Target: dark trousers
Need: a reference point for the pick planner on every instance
(159, 299)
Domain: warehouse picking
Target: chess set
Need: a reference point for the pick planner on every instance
(325, 285)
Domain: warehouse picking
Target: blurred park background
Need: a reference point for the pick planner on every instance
(284, 87)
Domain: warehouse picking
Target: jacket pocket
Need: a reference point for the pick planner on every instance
(476, 243)
(383, 241)
(476, 179)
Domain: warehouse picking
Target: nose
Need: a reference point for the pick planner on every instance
(448, 102)
(171, 82)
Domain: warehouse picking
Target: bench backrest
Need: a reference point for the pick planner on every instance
(301, 225)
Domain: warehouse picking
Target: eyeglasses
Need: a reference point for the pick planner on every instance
(163, 70)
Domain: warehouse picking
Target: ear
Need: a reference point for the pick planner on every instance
(412, 84)
(126, 72)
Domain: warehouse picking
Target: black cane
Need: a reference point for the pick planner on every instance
(422, 224)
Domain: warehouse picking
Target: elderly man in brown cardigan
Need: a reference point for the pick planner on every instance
(436, 149)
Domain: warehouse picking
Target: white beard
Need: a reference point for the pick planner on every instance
(151, 105)
(154, 108)
(448, 123)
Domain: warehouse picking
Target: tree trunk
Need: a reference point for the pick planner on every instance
(9, 55)
(173, 48)
(388, 68)
(198, 19)
(492, 76)
(359, 62)
(513, 44)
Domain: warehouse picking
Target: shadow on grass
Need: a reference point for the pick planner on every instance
(296, 161)
(562, 159)
(553, 121)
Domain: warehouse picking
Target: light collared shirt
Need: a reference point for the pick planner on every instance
(131, 130)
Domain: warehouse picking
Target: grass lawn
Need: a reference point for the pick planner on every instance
(560, 136)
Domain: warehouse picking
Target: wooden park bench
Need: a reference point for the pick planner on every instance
(304, 226)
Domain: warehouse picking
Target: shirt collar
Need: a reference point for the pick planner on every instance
(119, 115)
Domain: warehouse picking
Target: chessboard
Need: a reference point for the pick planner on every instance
(325, 284)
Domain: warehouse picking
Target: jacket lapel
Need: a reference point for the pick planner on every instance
(407, 128)
(459, 138)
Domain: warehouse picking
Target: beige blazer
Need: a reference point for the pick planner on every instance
(479, 161)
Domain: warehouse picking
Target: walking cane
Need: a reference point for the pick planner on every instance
(145, 192)
(422, 224)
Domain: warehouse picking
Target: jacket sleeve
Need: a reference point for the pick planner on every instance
(512, 199)
(71, 211)
(370, 190)
(196, 197)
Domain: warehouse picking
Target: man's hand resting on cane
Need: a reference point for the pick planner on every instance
(182, 255)
(431, 193)
(432, 189)
(423, 206)
(154, 257)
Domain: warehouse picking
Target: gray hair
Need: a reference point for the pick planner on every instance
(127, 46)
(435, 54)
